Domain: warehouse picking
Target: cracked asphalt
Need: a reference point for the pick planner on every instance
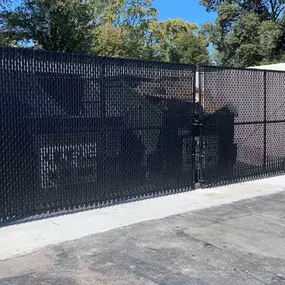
(239, 243)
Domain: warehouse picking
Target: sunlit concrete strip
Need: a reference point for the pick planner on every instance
(24, 238)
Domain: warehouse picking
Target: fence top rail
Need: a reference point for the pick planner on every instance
(203, 68)
(66, 56)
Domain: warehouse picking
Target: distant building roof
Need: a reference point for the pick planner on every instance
(278, 66)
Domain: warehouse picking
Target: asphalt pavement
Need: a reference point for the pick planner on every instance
(239, 243)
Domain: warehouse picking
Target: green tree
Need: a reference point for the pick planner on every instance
(165, 34)
(191, 48)
(120, 28)
(242, 37)
(145, 37)
(179, 41)
(132, 19)
(110, 41)
(267, 9)
(63, 25)
(114, 27)
(4, 36)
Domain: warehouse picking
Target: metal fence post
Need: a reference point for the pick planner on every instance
(192, 130)
(264, 126)
(102, 129)
(201, 175)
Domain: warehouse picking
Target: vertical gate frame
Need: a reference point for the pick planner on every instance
(199, 122)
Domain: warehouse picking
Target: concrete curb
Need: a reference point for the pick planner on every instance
(25, 238)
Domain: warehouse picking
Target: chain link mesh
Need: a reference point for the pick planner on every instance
(80, 131)
(243, 126)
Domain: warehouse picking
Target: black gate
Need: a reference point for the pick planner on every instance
(79, 131)
(242, 125)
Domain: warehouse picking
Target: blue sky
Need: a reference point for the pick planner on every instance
(188, 10)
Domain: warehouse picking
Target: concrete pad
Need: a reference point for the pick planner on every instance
(25, 238)
(241, 243)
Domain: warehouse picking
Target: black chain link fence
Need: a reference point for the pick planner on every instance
(243, 130)
(79, 131)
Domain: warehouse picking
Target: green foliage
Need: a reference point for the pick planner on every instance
(243, 35)
(165, 35)
(267, 9)
(119, 28)
(269, 33)
(110, 41)
(191, 48)
(5, 39)
(64, 25)
(124, 29)
(179, 41)
(183, 42)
